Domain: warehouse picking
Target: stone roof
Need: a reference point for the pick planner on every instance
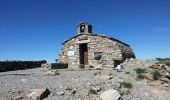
(101, 35)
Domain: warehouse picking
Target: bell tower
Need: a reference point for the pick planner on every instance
(84, 28)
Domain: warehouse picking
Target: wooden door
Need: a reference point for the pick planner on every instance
(83, 54)
(85, 57)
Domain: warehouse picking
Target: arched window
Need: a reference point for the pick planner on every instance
(83, 28)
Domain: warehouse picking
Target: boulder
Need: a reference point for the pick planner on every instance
(38, 94)
(110, 94)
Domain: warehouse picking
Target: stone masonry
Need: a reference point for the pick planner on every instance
(87, 49)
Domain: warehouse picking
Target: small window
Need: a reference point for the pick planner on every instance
(97, 55)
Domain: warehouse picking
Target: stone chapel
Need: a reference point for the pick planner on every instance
(87, 49)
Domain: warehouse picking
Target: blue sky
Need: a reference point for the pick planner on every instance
(35, 29)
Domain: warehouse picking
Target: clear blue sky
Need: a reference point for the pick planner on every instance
(35, 29)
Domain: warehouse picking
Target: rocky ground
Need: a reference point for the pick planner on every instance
(85, 84)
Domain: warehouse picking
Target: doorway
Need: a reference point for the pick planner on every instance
(83, 50)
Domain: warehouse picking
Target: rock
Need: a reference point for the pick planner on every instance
(106, 76)
(164, 79)
(51, 72)
(99, 67)
(60, 93)
(68, 88)
(80, 98)
(23, 80)
(164, 66)
(38, 94)
(46, 66)
(18, 98)
(73, 92)
(124, 91)
(96, 98)
(166, 85)
(110, 94)
(131, 59)
(159, 85)
(96, 88)
(119, 67)
(160, 66)
(168, 76)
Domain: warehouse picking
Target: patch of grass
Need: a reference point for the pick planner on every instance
(91, 66)
(140, 71)
(92, 91)
(141, 76)
(156, 75)
(127, 72)
(126, 85)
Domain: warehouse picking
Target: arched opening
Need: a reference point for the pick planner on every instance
(83, 28)
(83, 51)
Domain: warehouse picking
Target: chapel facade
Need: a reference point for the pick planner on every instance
(87, 49)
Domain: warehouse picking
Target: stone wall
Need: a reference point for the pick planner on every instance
(127, 52)
(111, 50)
(54, 66)
(18, 65)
